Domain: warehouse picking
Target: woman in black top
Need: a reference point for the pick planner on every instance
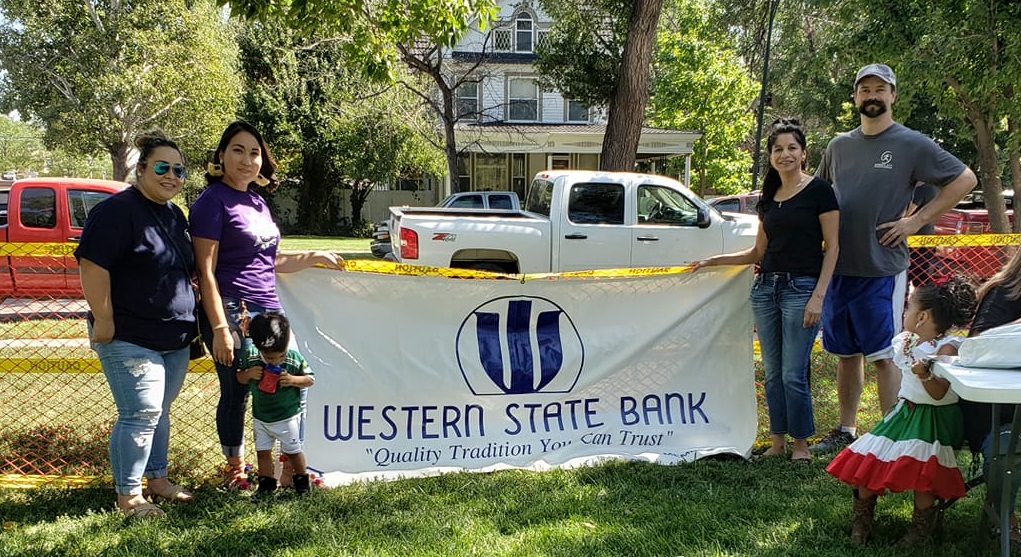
(797, 248)
(136, 268)
(999, 303)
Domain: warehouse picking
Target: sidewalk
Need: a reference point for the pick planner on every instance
(13, 310)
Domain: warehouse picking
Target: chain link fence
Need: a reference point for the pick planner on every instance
(56, 411)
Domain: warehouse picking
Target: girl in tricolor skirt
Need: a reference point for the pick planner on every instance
(912, 448)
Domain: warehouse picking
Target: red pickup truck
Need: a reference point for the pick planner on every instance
(971, 217)
(45, 211)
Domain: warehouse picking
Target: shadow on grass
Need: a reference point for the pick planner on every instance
(767, 508)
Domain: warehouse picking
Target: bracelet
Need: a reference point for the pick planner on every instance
(223, 326)
(927, 378)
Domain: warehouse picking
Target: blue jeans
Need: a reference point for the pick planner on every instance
(143, 382)
(778, 305)
(233, 403)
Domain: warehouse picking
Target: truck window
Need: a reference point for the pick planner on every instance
(732, 205)
(4, 196)
(662, 205)
(81, 202)
(468, 202)
(39, 207)
(596, 204)
(539, 198)
(500, 202)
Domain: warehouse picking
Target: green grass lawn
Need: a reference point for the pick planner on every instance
(350, 248)
(718, 508)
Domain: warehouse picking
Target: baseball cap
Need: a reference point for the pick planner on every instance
(882, 71)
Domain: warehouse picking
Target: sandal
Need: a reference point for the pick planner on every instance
(144, 511)
(170, 493)
(236, 477)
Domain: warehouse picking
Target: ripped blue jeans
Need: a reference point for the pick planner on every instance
(144, 383)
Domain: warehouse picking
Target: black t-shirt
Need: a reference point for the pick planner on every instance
(994, 310)
(793, 230)
(150, 285)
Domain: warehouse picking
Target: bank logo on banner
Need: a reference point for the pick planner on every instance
(519, 345)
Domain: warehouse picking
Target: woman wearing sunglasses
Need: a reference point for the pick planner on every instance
(236, 242)
(136, 267)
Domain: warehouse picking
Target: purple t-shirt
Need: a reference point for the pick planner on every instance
(241, 222)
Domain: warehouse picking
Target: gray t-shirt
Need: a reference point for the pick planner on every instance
(874, 177)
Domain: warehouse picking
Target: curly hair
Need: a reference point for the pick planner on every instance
(951, 301)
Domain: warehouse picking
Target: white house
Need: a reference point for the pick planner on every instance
(510, 128)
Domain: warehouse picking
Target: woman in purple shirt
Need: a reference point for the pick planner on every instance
(236, 258)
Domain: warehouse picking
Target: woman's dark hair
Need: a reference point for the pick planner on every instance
(771, 182)
(146, 142)
(951, 300)
(270, 331)
(269, 165)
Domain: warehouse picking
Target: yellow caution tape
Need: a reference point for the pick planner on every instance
(79, 365)
(37, 249)
(18, 481)
(404, 269)
(964, 241)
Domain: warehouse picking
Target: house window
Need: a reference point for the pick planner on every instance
(468, 100)
(503, 39)
(576, 112)
(523, 100)
(541, 39)
(523, 33)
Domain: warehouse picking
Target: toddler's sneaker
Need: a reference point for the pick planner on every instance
(301, 483)
(835, 440)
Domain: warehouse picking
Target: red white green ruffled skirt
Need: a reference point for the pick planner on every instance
(911, 449)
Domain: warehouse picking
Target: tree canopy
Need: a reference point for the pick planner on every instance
(697, 79)
(330, 127)
(96, 73)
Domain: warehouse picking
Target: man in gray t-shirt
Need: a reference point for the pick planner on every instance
(874, 169)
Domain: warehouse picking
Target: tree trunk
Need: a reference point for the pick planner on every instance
(989, 177)
(359, 193)
(119, 158)
(317, 212)
(627, 107)
(1015, 170)
(988, 162)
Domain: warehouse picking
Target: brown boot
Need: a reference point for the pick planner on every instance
(861, 518)
(923, 524)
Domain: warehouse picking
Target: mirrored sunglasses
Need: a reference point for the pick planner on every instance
(162, 168)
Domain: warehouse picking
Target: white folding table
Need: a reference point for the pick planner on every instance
(997, 387)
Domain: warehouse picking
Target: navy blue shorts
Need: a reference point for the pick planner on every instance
(860, 315)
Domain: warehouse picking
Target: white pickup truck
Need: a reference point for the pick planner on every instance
(574, 220)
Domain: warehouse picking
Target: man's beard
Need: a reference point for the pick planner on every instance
(872, 108)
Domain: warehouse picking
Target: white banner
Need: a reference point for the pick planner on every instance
(423, 374)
